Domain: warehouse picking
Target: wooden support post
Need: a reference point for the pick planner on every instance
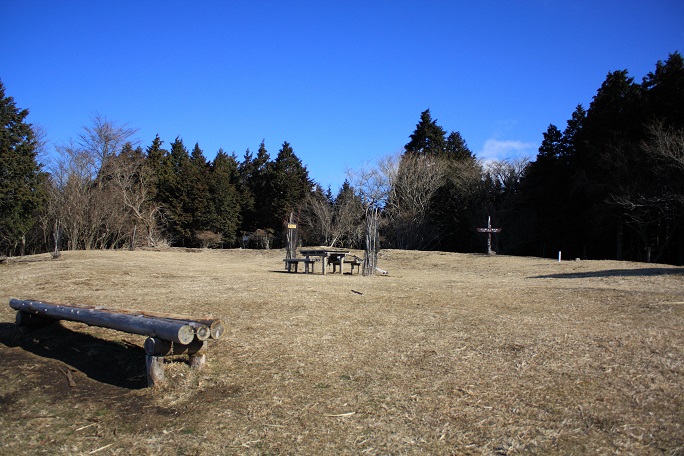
(156, 349)
(198, 361)
(155, 370)
(27, 320)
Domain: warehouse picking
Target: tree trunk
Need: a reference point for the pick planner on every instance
(618, 252)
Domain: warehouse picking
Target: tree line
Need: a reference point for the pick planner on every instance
(609, 185)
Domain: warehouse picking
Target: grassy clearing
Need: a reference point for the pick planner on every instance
(450, 353)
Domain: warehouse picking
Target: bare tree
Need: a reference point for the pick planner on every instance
(318, 217)
(76, 202)
(652, 204)
(372, 185)
(134, 182)
(501, 202)
(335, 223)
(85, 203)
(665, 144)
(104, 139)
(413, 182)
(506, 174)
(348, 215)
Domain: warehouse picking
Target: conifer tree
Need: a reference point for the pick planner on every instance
(290, 185)
(255, 180)
(174, 194)
(428, 137)
(22, 191)
(225, 197)
(199, 192)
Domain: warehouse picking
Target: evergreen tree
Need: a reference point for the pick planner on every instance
(663, 91)
(199, 193)
(606, 156)
(22, 191)
(428, 137)
(225, 198)
(545, 189)
(255, 179)
(175, 195)
(158, 161)
(290, 185)
(602, 189)
(551, 147)
(244, 186)
(436, 192)
(456, 147)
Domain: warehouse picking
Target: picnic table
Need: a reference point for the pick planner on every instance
(326, 255)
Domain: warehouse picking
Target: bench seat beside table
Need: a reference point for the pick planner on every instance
(293, 263)
(328, 256)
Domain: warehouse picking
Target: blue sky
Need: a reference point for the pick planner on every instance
(343, 82)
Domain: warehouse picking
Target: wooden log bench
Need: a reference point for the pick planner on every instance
(354, 262)
(168, 334)
(308, 264)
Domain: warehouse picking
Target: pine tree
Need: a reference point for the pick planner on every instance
(225, 198)
(199, 193)
(290, 185)
(456, 147)
(22, 191)
(428, 137)
(174, 195)
(664, 92)
(256, 191)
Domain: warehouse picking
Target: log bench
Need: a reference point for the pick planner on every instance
(290, 262)
(168, 334)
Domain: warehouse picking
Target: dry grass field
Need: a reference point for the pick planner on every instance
(448, 354)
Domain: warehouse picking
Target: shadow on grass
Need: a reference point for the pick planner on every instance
(646, 272)
(114, 363)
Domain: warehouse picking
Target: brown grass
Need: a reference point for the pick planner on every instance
(449, 354)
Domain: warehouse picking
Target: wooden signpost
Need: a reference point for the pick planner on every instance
(489, 230)
(292, 240)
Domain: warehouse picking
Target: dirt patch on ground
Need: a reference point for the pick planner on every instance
(448, 354)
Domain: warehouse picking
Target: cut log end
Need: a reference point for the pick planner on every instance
(217, 329)
(186, 334)
(203, 332)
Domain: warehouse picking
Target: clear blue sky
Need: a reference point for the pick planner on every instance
(343, 82)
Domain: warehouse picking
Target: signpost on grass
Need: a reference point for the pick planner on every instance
(489, 230)
(292, 238)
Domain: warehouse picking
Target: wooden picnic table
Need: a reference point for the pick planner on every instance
(326, 255)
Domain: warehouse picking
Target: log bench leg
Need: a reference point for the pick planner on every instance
(198, 361)
(27, 321)
(156, 349)
(155, 370)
